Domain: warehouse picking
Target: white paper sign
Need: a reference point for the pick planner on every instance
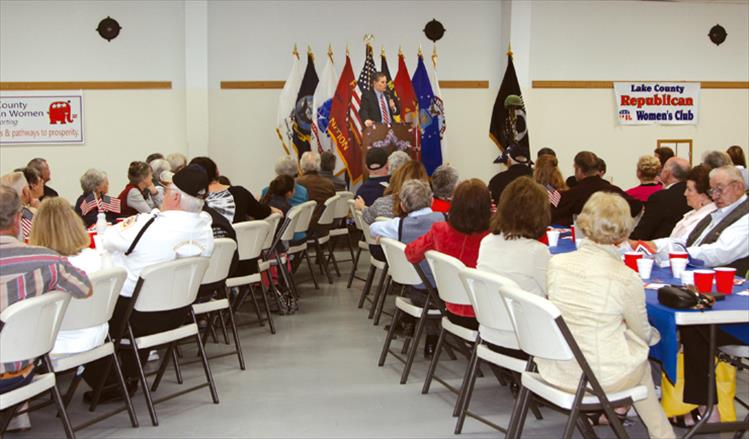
(661, 103)
(41, 117)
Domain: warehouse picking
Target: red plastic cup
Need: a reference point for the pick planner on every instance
(543, 239)
(574, 241)
(724, 279)
(91, 235)
(675, 255)
(630, 259)
(703, 280)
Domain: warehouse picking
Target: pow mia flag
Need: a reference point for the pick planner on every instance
(508, 122)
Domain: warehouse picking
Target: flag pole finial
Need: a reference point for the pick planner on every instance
(509, 49)
(347, 53)
(368, 40)
(310, 53)
(382, 51)
(400, 50)
(330, 52)
(434, 56)
(295, 51)
(421, 52)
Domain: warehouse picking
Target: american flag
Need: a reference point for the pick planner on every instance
(367, 72)
(554, 195)
(110, 204)
(89, 204)
(363, 83)
(26, 219)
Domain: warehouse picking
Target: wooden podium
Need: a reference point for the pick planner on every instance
(392, 137)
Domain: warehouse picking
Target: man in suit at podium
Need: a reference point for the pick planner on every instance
(378, 105)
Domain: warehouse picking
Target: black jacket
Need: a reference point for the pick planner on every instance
(369, 108)
(663, 210)
(499, 182)
(573, 200)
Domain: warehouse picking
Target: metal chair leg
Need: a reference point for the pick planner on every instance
(389, 338)
(376, 298)
(255, 304)
(321, 258)
(223, 326)
(177, 368)
(466, 400)
(69, 433)
(433, 363)
(237, 342)
(311, 271)
(472, 363)
(354, 265)
(367, 286)
(125, 393)
(519, 412)
(206, 366)
(331, 257)
(381, 303)
(162, 367)
(420, 326)
(267, 308)
(99, 387)
(143, 381)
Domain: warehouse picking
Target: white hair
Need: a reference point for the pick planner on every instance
(310, 162)
(159, 166)
(415, 195)
(16, 180)
(187, 202)
(176, 161)
(396, 160)
(286, 165)
(730, 171)
(91, 179)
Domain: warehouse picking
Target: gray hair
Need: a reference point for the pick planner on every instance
(176, 161)
(10, 205)
(730, 171)
(310, 162)
(444, 180)
(187, 202)
(678, 167)
(415, 195)
(286, 165)
(16, 181)
(396, 160)
(159, 166)
(716, 159)
(91, 179)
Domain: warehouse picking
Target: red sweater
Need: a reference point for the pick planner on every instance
(445, 239)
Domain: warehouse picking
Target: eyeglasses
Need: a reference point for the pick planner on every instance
(718, 190)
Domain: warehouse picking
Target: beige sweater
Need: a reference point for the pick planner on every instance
(603, 303)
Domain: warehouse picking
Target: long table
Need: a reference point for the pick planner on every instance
(730, 314)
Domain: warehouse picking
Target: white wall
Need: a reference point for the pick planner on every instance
(253, 41)
(638, 40)
(57, 41)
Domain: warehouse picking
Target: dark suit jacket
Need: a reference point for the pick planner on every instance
(499, 182)
(369, 108)
(573, 200)
(662, 211)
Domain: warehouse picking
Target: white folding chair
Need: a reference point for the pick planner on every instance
(339, 217)
(374, 265)
(495, 327)
(88, 313)
(542, 332)
(251, 236)
(36, 321)
(322, 237)
(215, 277)
(446, 271)
(272, 257)
(361, 245)
(298, 249)
(163, 287)
(404, 273)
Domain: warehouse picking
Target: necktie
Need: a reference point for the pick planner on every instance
(384, 110)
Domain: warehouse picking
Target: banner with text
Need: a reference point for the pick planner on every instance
(657, 103)
(43, 117)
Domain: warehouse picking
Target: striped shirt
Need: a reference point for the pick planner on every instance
(27, 271)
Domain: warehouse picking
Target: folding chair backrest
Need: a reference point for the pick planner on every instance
(251, 237)
(495, 322)
(342, 208)
(170, 285)
(354, 216)
(401, 271)
(292, 216)
(273, 220)
(220, 261)
(446, 272)
(97, 309)
(305, 216)
(30, 326)
(364, 228)
(536, 324)
(328, 214)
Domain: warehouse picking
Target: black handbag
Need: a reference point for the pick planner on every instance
(683, 298)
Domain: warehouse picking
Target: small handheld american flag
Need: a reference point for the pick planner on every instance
(554, 195)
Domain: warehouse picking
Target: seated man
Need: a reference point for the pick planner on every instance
(666, 207)
(27, 272)
(42, 167)
(179, 229)
(416, 199)
(318, 187)
(517, 159)
(374, 186)
(588, 175)
(327, 169)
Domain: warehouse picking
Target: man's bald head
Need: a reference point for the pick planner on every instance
(674, 171)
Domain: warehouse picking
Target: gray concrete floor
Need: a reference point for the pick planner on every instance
(317, 378)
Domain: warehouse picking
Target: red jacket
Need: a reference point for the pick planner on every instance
(445, 239)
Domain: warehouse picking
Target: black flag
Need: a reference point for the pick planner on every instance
(303, 110)
(384, 69)
(508, 123)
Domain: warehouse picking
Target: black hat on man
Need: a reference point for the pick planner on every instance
(192, 180)
(376, 158)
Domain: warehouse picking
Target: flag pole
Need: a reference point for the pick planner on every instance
(330, 52)
(295, 52)
(434, 56)
(280, 137)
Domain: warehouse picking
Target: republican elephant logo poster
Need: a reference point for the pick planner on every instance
(41, 117)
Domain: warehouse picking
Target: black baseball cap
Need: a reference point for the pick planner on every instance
(192, 180)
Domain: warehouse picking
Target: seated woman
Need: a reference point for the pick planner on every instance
(56, 226)
(444, 180)
(417, 219)
(140, 195)
(280, 191)
(513, 250)
(603, 303)
(389, 204)
(546, 173)
(94, 200)
(648, 168)
(467, 224)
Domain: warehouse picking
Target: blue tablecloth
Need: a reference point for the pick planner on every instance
(663, 318)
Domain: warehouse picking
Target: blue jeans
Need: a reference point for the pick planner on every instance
(9, 384)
